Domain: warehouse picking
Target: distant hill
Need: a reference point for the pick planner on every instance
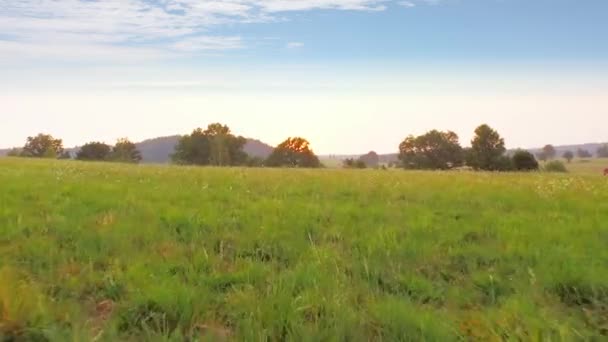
(159, 150)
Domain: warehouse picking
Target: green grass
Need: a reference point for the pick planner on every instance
(591, 166)
(117, 252)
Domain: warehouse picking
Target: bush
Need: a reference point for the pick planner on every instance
(555, 166)
(524, 161)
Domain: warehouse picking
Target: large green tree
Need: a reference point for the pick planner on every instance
(293, 152)
(125, 152)
(487, 150)
(95, 151)
(434, 150)
(215, 145)
(42, 146)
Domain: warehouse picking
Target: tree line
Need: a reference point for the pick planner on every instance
(214, 146)
(218, 146)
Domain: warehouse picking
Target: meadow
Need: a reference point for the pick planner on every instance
(107, 252)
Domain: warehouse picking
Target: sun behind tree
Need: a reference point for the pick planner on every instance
(293, 152)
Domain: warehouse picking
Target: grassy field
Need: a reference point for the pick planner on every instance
(111, 252)
(595, 166)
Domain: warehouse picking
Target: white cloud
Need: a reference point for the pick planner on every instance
(407, 4)
(294, 45)
(40, 28)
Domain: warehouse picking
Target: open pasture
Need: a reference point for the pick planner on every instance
(118, 252)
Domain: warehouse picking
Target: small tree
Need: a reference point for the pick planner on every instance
(524, 161)
(94, 151)
(42, 146)
(602, 151)
(568, 155)
(434, 150)
(293, 152)
(487, 150)
(555, 166)
(125, 152)
(549, 152)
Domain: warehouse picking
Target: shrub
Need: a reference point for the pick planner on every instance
(524, 161)
(555, 166)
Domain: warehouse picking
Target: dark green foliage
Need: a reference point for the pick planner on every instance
(42, 146)
(215, 146)
(602, 151)
(293, 152)
(94, 151)
(125, 152)
(568, 155)
(352, 163)
(487, 150)
(524, 161)
(555, 166)
(434, 150)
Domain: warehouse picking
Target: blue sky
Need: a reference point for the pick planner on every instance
(350, 75)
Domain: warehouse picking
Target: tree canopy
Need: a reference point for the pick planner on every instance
(42, 146)
(125, 152)
(293, 152)
(214, 146)
(524, 161)
(568, 155)
(487, 150)
(434, 150)
(549, 152)
(94, 151)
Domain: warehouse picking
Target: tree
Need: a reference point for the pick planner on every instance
(434, 150)
(602, 151)
(370, 159)
(94, 151)
(125, 152)
(293, 152)
(42, 146)
(582, 153)
(524, 161)
(352, 163)
(549, 152)
(214, 146)
(555, 166)
(487, 150)
(542, 156)
(568, 155)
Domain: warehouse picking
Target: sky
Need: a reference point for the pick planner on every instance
(349, 75)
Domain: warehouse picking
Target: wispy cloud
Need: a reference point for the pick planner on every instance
(294, 45)
(141, 28)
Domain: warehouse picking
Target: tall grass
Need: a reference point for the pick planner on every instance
(115, 252)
